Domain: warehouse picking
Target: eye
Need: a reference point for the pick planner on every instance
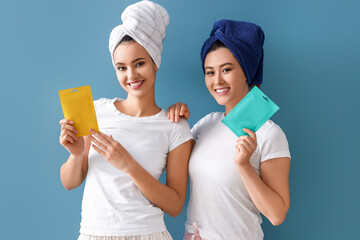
(209, 73)
(120, 68)
(227, 70)
(139, 64)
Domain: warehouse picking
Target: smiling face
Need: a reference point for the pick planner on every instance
(225, 78)
(135, 69)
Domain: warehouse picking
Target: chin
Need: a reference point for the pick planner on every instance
(220, 100)
(136, 94)
(139, 93)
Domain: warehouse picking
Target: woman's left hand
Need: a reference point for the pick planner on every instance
(111, 150)
(245, 147)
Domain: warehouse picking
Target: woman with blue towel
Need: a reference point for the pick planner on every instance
(233, 180)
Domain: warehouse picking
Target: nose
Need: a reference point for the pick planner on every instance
(218, 79)
(132, 74)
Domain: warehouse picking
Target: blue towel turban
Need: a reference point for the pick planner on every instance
(245, 40)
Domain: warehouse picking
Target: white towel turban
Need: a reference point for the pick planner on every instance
(145, 22)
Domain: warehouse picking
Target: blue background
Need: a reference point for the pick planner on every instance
(310, 70)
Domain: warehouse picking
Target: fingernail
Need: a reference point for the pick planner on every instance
(71, 122)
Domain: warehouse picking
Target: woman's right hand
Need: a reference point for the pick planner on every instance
(73, 144)
(175, 111)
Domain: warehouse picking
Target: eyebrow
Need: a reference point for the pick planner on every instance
(222, 65)
(119, 63)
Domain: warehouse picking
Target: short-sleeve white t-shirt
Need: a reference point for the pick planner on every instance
(112, 204)
(219, 202)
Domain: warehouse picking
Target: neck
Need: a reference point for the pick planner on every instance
(143, 106)
(228, 108)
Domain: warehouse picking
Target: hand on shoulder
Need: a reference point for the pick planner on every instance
(175, 111)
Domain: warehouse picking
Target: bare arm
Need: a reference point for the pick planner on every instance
(74, 170)
(170, 197)
(271, 193)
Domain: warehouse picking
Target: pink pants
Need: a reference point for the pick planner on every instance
(155, 236)
(191, 236)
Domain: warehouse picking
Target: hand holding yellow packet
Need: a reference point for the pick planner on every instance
(78, 106)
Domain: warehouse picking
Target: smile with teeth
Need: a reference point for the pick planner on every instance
(222, 91)
(136, 84)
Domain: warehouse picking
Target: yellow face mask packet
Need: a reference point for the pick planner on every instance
(78, 106)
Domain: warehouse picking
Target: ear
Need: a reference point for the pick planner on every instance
(156, 68)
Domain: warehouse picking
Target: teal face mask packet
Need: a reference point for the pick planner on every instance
(251, 112)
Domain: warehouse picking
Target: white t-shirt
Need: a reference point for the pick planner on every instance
(219, 202)
(112, 204)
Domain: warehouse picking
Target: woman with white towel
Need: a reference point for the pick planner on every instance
(123, 198)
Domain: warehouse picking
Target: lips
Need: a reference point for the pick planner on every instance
(222, 91)
(135, 84)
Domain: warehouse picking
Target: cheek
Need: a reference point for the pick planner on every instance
(209, 85)
(239, 86)
(149, 73)
(120, 77)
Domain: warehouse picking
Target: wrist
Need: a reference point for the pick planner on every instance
(76, 157)
(131, 167)
(244, 166)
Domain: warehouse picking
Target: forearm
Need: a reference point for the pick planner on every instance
(170, 197)
(268, 202)
(71, 172)
(164, 197)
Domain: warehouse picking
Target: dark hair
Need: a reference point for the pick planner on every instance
(218, 44)
(126, 38)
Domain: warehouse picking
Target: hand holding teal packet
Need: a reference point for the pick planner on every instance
(251, 112)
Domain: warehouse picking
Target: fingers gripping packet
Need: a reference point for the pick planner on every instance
(251, 112)
(78, 106)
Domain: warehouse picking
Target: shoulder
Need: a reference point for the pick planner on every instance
(182, 122)
(205, 122)
(166, 124)
(209, 118)
(181, 125)
(104, 107)
(214, 116)
(272, 141)
(180, 133)
(102, 101)
(269, 130)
